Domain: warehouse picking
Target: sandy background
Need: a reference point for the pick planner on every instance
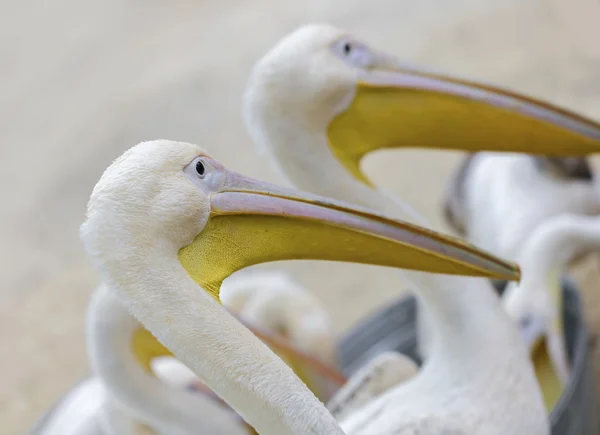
(82, 81)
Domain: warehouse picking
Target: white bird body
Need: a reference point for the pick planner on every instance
(551, 247)
(89, 409)
(77, 413)
(512, 205)
(141, 396)
(472, 382)
(506, 196)
(381, 373)
(320, 100)
(122, 398)
(149, 205)
(126, 397)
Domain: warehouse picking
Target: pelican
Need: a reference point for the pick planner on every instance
(166, 224)
(536, 301)
(120, 351)
(499, 201)
(320, 100)
(124, 398)
(136, 388)
(496, 200)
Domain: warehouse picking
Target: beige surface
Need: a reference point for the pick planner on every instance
(82, 81)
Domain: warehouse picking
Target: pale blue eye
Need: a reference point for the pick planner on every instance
(355, 53)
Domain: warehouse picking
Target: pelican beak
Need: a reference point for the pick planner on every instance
(253, 222)
(396, 106)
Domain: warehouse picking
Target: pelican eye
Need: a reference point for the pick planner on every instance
(354, 53)
(200, 169)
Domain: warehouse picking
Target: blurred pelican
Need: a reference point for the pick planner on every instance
(320, 100)
(166, 224)
(536, 302)
(124, 398)
(499, 201)
(136, 388)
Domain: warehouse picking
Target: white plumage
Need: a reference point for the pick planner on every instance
(124, 395)
(535, 301)
(499, 199)
(514, 205)
(138, 220)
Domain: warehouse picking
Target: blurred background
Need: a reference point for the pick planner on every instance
(80, 82)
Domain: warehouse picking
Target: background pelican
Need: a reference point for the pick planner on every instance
(536, 301)
(132, 390)
(124, 397)
(499, 201)
(166, 224)
(320, 100)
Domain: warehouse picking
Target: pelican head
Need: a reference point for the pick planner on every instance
(167, 202)
(325, 82)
